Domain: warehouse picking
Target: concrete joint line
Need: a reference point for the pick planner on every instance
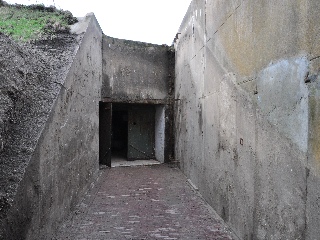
(314, 58)
(192, 185)
(227, 18)
(199, 50)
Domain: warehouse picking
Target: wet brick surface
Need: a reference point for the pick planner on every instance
(148, 202)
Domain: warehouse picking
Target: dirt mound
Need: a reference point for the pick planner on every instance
(31, 76)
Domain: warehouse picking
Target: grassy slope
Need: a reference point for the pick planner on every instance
(33, 22)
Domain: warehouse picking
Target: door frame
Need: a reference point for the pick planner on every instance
(105, 129)
(105, 141)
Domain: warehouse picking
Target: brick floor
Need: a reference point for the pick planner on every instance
(147, 202)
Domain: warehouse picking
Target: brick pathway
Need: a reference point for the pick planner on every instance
(148, 202)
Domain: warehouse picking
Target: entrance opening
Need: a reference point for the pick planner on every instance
(119, 138)
(131, 132)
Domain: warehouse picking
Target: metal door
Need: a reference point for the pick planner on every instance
(141, 133)
(105, 126)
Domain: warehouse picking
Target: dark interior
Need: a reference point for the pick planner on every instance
(119, 140)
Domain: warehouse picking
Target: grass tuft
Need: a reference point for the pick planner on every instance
(25, 23)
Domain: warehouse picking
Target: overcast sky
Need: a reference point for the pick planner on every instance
(153, 21)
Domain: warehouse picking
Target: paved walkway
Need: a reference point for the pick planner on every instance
(147, 202)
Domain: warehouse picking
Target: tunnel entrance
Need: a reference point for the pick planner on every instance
(130, 132)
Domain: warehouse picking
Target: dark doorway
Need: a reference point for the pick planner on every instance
(119, 139)
(131, 132)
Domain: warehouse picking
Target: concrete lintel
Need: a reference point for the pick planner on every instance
(138, 101)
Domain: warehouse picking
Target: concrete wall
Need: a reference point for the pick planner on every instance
(136, 71)
(160, 124)
(313, 170)
(246, 115)
(65, 160)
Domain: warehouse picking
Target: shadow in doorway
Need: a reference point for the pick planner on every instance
(119, 139)
(131, 133)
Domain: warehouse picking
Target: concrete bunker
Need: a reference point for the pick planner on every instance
(136, 108)
(131, 131)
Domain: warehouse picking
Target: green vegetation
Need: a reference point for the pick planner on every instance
(26, 23)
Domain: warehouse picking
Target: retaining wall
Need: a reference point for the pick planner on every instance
(65, 160)
(246, 115)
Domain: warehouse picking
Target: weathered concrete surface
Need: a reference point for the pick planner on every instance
(66, 157)
(313, 182)
(160, 124)
(153, 202)
(245, 119)
(136, 71)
